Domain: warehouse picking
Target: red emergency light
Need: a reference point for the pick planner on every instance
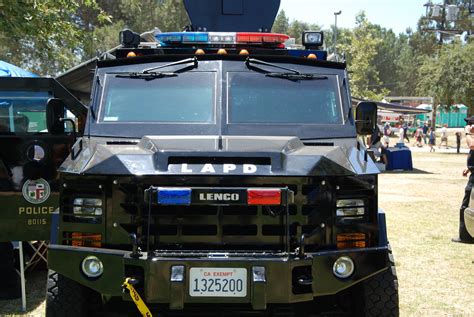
(264, 197)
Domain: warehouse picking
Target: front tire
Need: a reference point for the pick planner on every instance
(66, 297)
(380, 293)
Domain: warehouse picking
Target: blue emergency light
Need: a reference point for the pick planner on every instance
(183, 37)
(174, 196)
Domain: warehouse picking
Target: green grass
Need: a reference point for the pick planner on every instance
(435, 275)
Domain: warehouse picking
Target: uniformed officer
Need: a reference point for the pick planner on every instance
(464, 236)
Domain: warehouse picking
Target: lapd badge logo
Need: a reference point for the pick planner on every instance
(36, 191)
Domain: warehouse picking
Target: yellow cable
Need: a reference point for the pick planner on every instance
(137, 299)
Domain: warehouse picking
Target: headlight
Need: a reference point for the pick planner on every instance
(87, 206)
(343, 267)
(350, 208)
(92, 267)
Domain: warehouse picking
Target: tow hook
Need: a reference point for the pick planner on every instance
(128, 286)
(136, 252)
(305, 281)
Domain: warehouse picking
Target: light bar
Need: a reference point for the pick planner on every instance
(174, 196)
(232, 38)
(264, 197)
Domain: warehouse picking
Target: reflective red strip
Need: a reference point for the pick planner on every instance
(261, 38)
(263, 196)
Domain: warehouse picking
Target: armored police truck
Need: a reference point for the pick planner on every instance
(220, 173)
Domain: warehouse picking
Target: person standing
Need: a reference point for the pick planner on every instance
(418, 137)
(401, 133)
(432, 139)
(405, 132)
(458, 142)
(386, 133)
(444, 136)
(425, 132)
(464, 236)
(374, 143)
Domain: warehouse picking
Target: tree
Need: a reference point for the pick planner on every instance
(139, 16)
(281, 24)
(448, 76)
(50, 36)
(365, 81)
(43, 36)
(296, 29)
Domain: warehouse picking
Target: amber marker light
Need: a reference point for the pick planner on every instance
(351, 240)
(312, 56)
(131, 54)
(222, 51)
(244, 52)
(199, 52)
(80, 239)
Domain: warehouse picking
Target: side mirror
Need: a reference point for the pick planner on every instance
(366, 117)
(55, 109)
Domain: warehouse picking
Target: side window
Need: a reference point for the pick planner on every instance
(23, 112)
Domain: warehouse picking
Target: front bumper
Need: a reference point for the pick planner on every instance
(282, 274)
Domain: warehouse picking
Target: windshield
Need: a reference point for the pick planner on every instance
(256, 98)
(187, 98)
(23, 111)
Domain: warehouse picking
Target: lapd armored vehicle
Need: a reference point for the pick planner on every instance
(220, 172)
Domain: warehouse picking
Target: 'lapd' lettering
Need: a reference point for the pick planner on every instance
(225, 168)
(249, 169)
(208, 168)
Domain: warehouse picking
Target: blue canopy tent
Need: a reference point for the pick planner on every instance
(9, 70)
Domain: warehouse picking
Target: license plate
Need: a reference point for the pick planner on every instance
(217, 282)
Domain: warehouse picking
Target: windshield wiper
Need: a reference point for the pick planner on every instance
(193, 60)
(146, 76)
(150, 73)
(291, 74)
(250, 61)
(299, 76)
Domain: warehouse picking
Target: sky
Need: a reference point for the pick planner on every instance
(397, 15)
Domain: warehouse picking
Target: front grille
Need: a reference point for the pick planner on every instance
(230, 228)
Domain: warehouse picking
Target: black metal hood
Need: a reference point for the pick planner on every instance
(214, 155)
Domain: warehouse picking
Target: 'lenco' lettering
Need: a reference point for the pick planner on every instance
(226, 168)
(218, 197)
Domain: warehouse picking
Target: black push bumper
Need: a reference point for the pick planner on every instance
(288, 279)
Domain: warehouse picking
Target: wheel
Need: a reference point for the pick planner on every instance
(66, 297)
(465, 222)
(380, 293)
(464, 236)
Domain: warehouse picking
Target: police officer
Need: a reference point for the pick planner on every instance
(464, 236)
